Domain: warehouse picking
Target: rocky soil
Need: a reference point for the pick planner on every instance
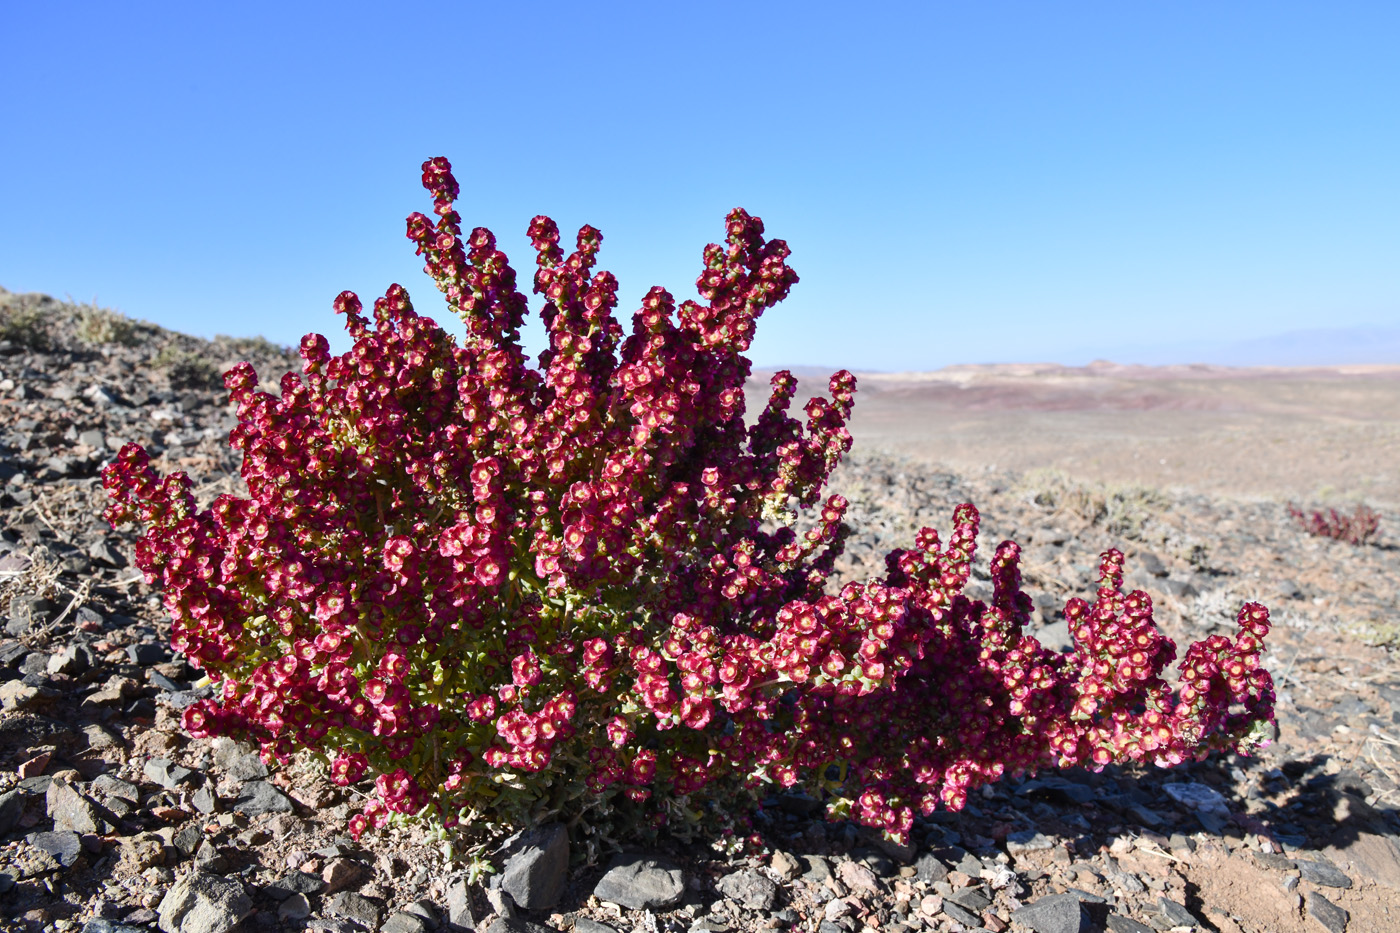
(112, 820)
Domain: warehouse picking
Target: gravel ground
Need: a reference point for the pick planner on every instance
(111, 819)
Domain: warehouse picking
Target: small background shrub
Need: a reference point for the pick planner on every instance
(1359, 527)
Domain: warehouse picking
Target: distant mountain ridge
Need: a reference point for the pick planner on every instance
(1368, 344)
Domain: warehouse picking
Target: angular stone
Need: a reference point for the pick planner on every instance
(929, 868)
(640, 882)
(101, 925)
(404, 922)
(100, 737)
(356, 907)
(517, 925)
(784, 865)
(166, 773)
(115, 690)
(971, 898)
(1201, 798)
(1027, 840)
(16, 694)
(104, 554)
(585, 925)
(145, 654)
(1327, 913)
(208, 858)
(1329, 876)
(817, 870)
(296, 907)
(204, 903)
(342, 873)
(205, 800)
(1057, 913)
(961, 914)
(1117, 923)
(72, 660)
(751, 888)
(188, 839)
(11, 806)
(105, 785)
(1176, 914)
(294, 882)
(261, 797)
(64, 845)
(537, 868)
(70, 810)
(459, 904)
(1276, 862)
(236, 763)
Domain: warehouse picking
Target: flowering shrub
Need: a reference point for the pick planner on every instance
(506, 593)
(1357, 528)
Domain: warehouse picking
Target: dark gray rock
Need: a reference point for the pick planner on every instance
(101, 552)
(107, 926)
(166, 773)
(640, 882)
(208, 858)
(818, 869)
(1145, 816)
(105, 785)
(584, 925)
(929, 869)
(11, 654)
(1117, 923)
(11, 806)
(970, 865)
(100, 737)
(188, 839)
(1056, 790)
(238, 764)
(65, 846)
(426, 910)
(318, 925)
(146, 653)
(749, 887)
(294, 882)
(537, 867)
(1181, 589)
(1327, 913)
(404, 922)
(1322, 873)
(1057, 913)
(205, 800)
(1176, 914)
(971, 898)
(295, 907)
(1027, 840)
(261, 797)
(70, 810)
(1151, 564)
(961, 914)
(459, 905)
(351, 906)
(1054, 636)
(517, 925)
(71, 660)
(204, 903)
(1276, 862)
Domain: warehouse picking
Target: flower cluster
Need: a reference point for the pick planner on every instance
(499, 590)
(1357, 528)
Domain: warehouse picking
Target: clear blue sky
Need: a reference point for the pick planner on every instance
(970, 182)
